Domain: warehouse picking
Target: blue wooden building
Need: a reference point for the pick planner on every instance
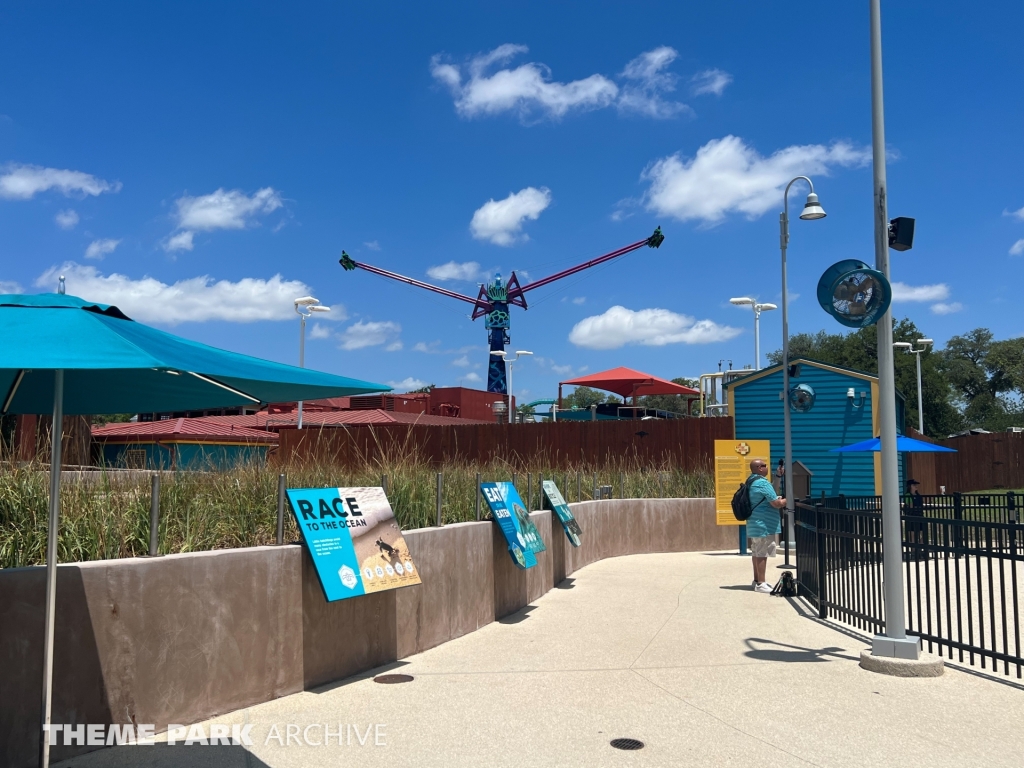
(844, 411)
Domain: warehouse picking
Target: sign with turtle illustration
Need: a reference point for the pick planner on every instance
(555, 501)
(354, 540)
(510, 514)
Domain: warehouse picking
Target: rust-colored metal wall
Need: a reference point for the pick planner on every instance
(686, 443)
(981, 463)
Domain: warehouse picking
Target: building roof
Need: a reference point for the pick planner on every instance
(628, 383)
(201, 430)
(755, 375)
(276, 421)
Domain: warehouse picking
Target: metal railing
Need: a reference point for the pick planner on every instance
(964, 566)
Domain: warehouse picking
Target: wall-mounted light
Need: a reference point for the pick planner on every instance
(852, 396)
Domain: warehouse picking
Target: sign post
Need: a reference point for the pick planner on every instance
(561, 509)
(510, 514)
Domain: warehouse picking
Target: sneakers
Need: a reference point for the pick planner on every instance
(764, 587)
(753, 584)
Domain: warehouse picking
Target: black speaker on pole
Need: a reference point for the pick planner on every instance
(901, 234)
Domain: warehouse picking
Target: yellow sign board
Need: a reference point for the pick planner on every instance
(732, 468)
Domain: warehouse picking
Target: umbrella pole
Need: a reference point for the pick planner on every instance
(56, 435)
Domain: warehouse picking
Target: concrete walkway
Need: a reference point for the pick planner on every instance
(674, 650)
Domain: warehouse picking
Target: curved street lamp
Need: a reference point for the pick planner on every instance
(906, 346)
(305, 306)
(812, 211)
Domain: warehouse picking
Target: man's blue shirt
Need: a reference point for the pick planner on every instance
(764, 520)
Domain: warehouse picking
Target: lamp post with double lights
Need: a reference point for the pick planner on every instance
(758, 309)
(812, 211)
(906, 346)
(305, 306)
(504, 356)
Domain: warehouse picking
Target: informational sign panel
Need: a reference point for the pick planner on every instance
(502, 503)
(557, 503)
(732, 468)
(354, 540)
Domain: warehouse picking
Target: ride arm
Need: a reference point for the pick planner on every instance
(349, 264)
(653, 241)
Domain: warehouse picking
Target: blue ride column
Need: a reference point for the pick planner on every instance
(497, 324)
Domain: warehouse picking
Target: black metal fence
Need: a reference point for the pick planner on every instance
(964, 566)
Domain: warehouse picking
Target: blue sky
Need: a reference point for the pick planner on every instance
(201, 165)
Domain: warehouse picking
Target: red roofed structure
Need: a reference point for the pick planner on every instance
(627, 382)
(181, 444)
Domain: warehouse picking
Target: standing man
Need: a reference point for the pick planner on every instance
(763, 525)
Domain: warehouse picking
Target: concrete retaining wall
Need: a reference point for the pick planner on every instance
(183, 638)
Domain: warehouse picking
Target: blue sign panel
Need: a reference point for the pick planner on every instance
(565, 516)
(519, 549)
(354, 540)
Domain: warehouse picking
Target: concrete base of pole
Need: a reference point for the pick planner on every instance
(925, 666)
(908, 647)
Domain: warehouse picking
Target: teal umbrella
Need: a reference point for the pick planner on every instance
(72, 356)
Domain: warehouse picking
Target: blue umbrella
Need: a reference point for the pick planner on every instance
(903, 445)
(77, 357)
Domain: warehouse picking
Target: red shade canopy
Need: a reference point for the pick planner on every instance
(627, 383)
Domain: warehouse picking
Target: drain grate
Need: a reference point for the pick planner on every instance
(628, 744)
(392, 679)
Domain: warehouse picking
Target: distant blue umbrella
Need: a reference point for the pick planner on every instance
(73, 356)
(903, 445)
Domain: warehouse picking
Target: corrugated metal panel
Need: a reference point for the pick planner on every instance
(832, 422)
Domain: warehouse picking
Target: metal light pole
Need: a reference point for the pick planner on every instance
(908, 347)
(305, 307)
(812, 210)
(895, 642)
(504, 356)
(758, 309)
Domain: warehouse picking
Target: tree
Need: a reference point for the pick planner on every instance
(584, 397)
(986, 378)
(859, 350)
(423, 390)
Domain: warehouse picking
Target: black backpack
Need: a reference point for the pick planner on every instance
(741, 500)
(786, 586)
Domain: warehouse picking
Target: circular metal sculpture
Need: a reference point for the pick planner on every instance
(854, 294)
(801, 398)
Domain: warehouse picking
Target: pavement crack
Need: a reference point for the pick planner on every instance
(664, 624)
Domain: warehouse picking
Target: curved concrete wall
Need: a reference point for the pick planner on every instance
(183, 638)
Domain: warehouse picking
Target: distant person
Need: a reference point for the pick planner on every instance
(763, 525)
(913, 506)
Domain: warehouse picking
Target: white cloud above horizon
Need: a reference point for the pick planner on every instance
(100, 248)
(23, 182)
(10, 286)
(713, 81)
(197, 299)
(727, 176)
(1017, 248)
(528, 90)
(407, 384)
(619, 326)
(373, 245)
(947, 309)
(473, 378)
(369, 334)
(67, 219)
(501, 221)
(319, 331)
(904, 292)
(453, 270)
(221, 209)
(1018, 214)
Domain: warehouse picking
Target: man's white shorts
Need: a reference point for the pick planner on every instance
(763, 546)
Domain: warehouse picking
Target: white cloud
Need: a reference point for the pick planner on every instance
(904, 292)
(453, 270)
(525, 89)
(179, 242)
(9, 286)
(947, 309)
(369, 334)
(472, 377)
(66, 219)
(421, 346)
(649, 327)
(1017, 248)
(501, 221)
(221, 209)
(373, 245)
(1019, 213)
(462, 362)
(197, 299)
(99, 248)
(561, 370)
(394, 346)
(727, 176)
(23, 182)
(710, 81)
(647, 81)
(407, 384)
(579, 300)
(319, 331)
